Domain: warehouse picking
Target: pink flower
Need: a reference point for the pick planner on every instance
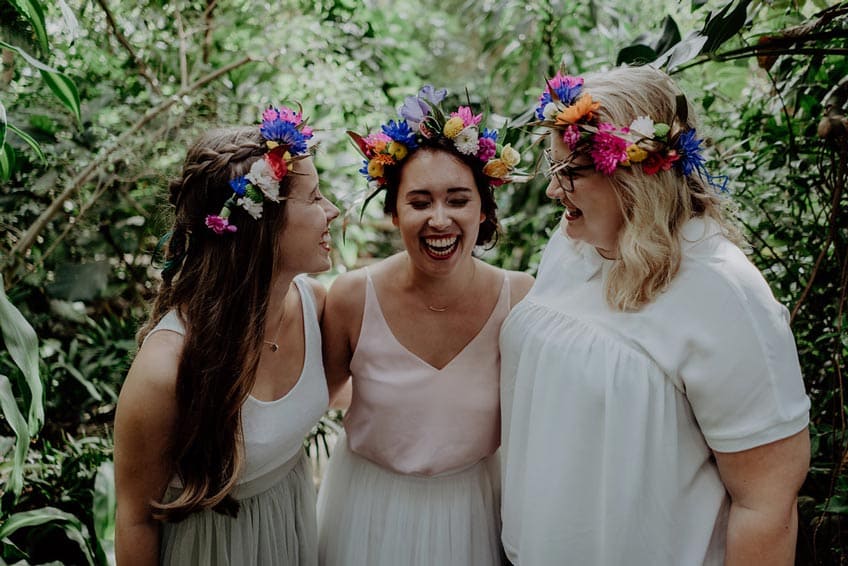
(564, 80)
(468, 117)
(571, 136)
(306, 131)
(608, 150)
(487, 149)
(289, 115)
(219, 225)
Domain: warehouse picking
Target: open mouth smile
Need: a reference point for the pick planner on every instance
(440, 247)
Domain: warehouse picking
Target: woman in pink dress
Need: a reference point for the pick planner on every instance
(414, 480)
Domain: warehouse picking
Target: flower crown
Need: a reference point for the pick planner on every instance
(421, 119)
(285, 133)
(655, 146)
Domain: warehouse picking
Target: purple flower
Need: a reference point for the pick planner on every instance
(415, 108)
(486, 149)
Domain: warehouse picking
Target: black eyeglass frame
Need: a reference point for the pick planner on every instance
(558, 169)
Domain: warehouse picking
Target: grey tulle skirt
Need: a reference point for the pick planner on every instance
(276, 525)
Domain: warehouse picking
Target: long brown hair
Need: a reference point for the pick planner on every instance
(219, 285)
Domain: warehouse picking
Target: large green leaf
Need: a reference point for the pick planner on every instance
(104, 503)
(725, 24)
(62, 86)
(22, 344)
(7, 161)
(72, 526)
(637, 54)
(34, 13)
(16, 420)
(29, 140)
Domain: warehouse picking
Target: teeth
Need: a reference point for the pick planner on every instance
(442, 243)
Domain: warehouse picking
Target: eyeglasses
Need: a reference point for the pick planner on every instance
(559, 169)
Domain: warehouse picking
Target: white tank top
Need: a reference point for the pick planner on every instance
(274, 430)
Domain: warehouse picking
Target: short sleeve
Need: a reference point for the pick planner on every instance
(741, 375)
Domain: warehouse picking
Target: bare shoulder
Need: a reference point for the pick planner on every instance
(347, 294)
(152, 378)
(320, 294)
(519, 285)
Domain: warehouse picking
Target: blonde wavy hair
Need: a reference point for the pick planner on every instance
(655, 207)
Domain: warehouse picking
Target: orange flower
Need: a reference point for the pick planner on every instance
(583, 107)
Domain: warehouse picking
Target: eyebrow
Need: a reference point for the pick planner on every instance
(427, 192)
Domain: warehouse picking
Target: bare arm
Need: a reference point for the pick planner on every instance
(763, 484)
(144, 423)
(519, 286)
(342, 318)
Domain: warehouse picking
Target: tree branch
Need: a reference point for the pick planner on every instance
(28, 238)
(142, 67)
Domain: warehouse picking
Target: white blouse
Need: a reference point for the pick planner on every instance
(610, 418)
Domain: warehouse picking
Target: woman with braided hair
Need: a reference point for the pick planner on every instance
(209, 465)
(653, 408)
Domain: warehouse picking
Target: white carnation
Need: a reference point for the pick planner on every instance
(466, 141)
(253, 208)
(261, 176)
(642, 126)
(550, 111)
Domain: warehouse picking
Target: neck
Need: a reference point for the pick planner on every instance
(280, 286)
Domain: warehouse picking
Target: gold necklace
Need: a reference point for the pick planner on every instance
(435, 308)
(275, 345)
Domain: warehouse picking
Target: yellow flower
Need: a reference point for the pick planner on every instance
(453, 127)
(271, 144)
(510, 156)
(496, 168)
(636, 154)
(583, 107)
(397, 150)
(375, 168)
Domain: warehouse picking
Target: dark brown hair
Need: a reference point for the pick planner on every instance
(489, 227)
(219, 284)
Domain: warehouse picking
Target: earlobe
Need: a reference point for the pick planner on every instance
(482, 217)
(395, 219)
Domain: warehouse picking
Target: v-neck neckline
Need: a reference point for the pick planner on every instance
(418, 358)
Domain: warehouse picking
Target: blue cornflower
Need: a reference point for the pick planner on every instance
(284, 133)
(401, 132)
(689, 149)
(239, 185)
(364, 171)
(491, 134)
(543, 101)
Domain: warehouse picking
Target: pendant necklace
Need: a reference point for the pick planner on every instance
(275, 345)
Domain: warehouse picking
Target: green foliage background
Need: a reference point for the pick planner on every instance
(100, 98)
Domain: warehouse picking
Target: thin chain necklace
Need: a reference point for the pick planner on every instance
(275, 345)
(435, 308)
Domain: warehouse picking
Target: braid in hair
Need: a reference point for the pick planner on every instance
(220, 288)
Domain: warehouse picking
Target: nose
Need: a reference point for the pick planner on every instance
(439, 218)
(554, 190)
(331, 210)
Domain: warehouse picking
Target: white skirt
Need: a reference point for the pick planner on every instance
(275, 525)
(370, 516)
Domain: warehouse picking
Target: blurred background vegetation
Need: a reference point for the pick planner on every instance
(99, 99)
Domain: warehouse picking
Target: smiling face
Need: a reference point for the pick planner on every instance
(593, 213)
(305, 239)
(438, 210)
